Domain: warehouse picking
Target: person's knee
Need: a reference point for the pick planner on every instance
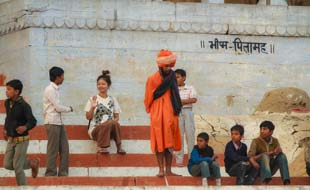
(265, 158)
(281, 156)
(114, 124)
(215, 164)
(204, 164)
(242, 165)
(18, 166)
(8, 165)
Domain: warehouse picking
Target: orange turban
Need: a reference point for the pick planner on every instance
(166, 57)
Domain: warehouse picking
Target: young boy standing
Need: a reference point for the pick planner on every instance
(202, 161)
(266, 155)
(186, 117)
(56, 134)
(19, 120)
(236, 159)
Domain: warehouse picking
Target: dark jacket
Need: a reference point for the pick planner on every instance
(259, 146)
(18, 114)
(233, 156)
(199, 155)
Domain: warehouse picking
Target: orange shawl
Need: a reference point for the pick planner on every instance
(165, 132)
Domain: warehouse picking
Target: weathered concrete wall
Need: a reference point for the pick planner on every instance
(225, 81)
(292, 130)
(85, 37)
(15, 57)
(124, 36)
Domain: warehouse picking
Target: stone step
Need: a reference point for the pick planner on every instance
(112, 171)
(105, 171)
(111, 160)
(86, 146)
(108, 165)
(145, 181)
(79, 132)
(135, 140)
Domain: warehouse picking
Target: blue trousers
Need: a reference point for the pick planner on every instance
(269, 166)
(205, 169)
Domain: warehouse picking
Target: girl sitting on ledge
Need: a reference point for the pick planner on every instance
(103, 112)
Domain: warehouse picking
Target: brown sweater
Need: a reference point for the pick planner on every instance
(259, 146)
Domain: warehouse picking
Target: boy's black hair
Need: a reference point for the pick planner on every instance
(238, 128)
(55, 72)
(181, 72)
(16, 84)
(203, 135)
(267, 124)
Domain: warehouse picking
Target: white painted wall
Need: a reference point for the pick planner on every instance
(124, 36)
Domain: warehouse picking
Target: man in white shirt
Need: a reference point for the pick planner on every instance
(57, 137)
(186, 117)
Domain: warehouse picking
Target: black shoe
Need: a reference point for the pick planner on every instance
(266, 181)
(286, 182)
(240, 181)
(308, 168)
(249, 181)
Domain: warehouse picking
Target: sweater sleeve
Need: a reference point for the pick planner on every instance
(31, 120)
(197, 159)
(252, 151)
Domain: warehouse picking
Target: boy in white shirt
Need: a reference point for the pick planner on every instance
(56, 134)
(186, 118)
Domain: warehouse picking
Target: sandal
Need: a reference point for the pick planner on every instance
(102, 150)
(121, 152)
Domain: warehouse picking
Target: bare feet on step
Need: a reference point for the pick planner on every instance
(171, 174)
(161, 173)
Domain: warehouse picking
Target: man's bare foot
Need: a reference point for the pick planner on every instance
(35, 164)
(172, 174)
(161, 174)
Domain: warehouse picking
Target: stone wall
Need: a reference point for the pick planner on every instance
(124, 37)
(85, 37)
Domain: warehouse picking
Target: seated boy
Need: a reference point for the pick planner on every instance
(202, 160)
(236, 159)
(266, 155)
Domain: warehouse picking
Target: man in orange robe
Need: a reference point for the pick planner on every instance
(162, 101)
